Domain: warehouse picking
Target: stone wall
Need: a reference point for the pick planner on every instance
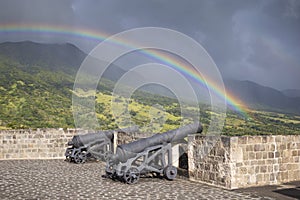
(245, 161)
(213, 168)
(35, 144)
(44, 143)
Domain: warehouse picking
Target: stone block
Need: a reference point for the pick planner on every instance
(261, 162)
(239, 164)
(283, 167)
(265, 139)
(270, 161)
(265, 155)
(247, 163)
(254, 140)
(271, 147)
(254, 162)
(266, 178)
(207, 166)
(242, 140)
(257, 169)
(249, 148)
(282, 147)
(242, 170)
(225, 142)
(297, 174)
(220, 152)
(278, 138)
(251, 170)
(259, 178)
(263, 169)
(212, 176)
(259, 147)
(251, 155)
(258, 155)
(237, 154)
(287, 159)
(294, 153)
(245, 156)
(206, 176)
(8, 137)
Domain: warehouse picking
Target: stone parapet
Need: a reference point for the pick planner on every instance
(245, 161)
(45, 143)
(35, 144)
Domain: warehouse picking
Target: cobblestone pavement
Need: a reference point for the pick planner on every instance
(57, 179)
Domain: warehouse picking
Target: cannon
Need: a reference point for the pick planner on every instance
(148, 155)
(93, 145)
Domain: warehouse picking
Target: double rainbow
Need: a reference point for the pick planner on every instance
(234, 102)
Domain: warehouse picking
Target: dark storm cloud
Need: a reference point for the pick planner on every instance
(255, 40)
(34, 11)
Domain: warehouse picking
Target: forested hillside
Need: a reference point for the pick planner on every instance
(37, 93)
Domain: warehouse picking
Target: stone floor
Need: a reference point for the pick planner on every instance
(57, 179)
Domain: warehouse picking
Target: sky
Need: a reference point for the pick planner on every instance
(256, 40)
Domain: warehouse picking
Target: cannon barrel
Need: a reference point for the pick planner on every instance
(129, 150)
(81, 140)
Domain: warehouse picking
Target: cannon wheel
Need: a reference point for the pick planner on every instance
(80, 157)
(68, 158)
(107, 155)
(132, 175)
(170, 172)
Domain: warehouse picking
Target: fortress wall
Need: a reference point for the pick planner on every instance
(44, 143)
(245, 161)
(35, 144)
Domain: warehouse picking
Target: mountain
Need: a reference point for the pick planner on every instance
(36, 83)
(291, 92)
(260, 97)
(54, 57)
(63, 57)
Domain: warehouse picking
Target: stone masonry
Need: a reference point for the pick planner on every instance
(245, 161)
(45, 143)
(35, 144)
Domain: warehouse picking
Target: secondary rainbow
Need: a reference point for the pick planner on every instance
(230, 99)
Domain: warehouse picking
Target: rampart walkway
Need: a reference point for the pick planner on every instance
(57, 179)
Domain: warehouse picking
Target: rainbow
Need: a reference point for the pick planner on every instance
(234, 102)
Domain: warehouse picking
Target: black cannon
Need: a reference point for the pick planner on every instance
(152, 154)
(93, 145)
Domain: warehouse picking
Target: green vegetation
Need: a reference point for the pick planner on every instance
(34, 96)
(262, 123)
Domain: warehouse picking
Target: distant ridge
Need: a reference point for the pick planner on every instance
(64, 57)
(291, 92)
(266, 98)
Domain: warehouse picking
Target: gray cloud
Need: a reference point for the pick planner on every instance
(253, 40)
